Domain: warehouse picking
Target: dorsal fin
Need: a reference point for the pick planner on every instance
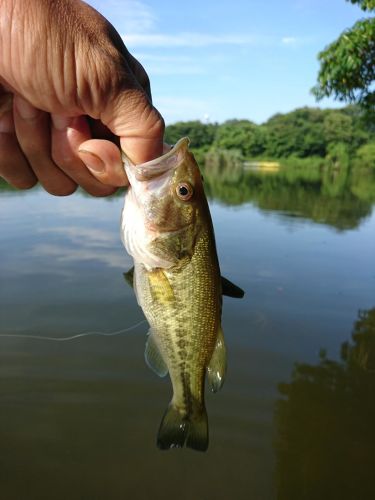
(129, 277)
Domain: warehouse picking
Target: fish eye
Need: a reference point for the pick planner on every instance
(184, 191)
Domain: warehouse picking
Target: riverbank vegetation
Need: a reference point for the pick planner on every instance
(337, 136)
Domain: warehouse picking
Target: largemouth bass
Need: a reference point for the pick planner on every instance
(166, 227)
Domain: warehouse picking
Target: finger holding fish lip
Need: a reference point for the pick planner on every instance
(67, 135)
(103, 159)
(62, 154)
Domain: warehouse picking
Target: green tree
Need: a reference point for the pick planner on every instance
(243, 136)
(365, 155)
(347, 66)
(363, 131)
(298, 133)
(200, 134)
(338, 127)
(365, 4)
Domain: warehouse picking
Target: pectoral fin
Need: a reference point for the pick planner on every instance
(218, 364)
(129, 277)
(230, 289)
(154, 358)
(160, 287)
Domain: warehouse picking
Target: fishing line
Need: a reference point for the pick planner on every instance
(73, 337)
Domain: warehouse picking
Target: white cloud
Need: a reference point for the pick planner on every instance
(138, 16)
(139, 24)
(129, 16)
(289, 40)
(191, 40)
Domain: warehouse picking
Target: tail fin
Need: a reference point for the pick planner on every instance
(178, 428)
(197, 437)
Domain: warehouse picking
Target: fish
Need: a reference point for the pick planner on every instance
(166, 227)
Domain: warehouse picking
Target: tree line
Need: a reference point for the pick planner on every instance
(336, 134)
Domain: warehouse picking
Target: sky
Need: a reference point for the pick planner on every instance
(217, 60)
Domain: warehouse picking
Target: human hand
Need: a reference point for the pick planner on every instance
(69, 92)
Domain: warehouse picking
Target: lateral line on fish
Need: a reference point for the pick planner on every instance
(73, 337)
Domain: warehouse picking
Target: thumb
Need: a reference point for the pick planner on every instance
(140, 129)
(137, 123)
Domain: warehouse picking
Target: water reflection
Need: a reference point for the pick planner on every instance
(325, 425)
(339, 197)
(76, 243)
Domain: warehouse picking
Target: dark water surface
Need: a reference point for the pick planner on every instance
(296, 416)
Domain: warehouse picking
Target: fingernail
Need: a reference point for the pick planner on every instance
(61, 122)
(25, 109)
(92, 161)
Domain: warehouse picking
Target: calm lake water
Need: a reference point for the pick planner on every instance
(296, 416)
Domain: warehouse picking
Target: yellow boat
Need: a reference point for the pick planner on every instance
(263, 166)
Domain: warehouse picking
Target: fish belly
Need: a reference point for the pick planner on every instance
(183, 307)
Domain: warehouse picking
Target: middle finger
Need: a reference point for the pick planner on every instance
(34, 136)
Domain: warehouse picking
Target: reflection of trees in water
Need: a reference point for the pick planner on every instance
(325, 443)
(325, 194)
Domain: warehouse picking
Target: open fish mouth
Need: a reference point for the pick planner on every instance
(159, 166)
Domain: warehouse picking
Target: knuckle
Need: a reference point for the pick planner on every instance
(63, 159)
(153, 126)
(159, 125)
(152, 122)
(31, 149)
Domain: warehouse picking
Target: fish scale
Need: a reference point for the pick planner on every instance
(192, 316)
(167, 228)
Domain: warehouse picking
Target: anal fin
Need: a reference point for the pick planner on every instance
(218, 365)
(154, 358)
